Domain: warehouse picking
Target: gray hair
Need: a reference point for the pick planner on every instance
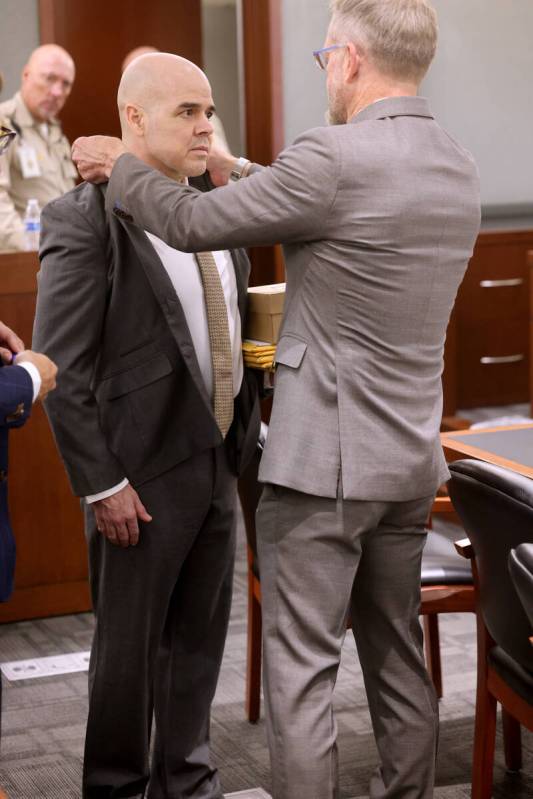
(399, 36)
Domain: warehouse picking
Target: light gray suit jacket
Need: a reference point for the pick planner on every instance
(379, 218)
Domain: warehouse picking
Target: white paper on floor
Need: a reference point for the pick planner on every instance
(251, 793)
(45, 667)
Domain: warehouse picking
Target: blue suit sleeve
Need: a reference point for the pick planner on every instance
(16, 395)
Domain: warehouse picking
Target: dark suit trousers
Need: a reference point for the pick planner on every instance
(162, 611)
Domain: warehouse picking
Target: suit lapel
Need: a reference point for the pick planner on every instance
(166, 295)
(170, 305)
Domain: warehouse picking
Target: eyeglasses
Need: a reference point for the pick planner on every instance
(322, 56)
(6, 137)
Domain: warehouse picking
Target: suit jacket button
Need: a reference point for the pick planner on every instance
(16, 413)
(3, 475)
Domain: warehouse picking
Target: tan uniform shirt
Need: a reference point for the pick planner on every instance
(37, 165)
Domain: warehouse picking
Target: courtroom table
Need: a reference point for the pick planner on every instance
(510, 447)
(51, 572)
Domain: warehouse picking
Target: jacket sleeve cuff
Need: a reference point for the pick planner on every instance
(107, 493)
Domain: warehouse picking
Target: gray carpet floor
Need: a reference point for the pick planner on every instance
(43, 719)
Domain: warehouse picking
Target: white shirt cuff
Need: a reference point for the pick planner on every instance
(35, 377)
(107, 493)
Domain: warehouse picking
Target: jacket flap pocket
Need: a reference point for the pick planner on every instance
(290, 351)
(135, 378)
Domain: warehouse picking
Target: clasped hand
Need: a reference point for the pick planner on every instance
(12, 351)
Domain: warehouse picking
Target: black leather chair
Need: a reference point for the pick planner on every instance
(521, 568)
(496, 509)
(447, 587)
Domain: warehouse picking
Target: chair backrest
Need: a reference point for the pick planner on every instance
(496, 508)
(521, 568)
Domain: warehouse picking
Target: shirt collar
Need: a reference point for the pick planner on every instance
(394, 107)
(24, 118)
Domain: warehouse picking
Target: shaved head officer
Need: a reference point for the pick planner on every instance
(38, 165)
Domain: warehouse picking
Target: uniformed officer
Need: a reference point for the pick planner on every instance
(38, 165)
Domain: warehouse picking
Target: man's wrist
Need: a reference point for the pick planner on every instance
(112, 159)
(241, 167)
(91, 498)
(35, 377)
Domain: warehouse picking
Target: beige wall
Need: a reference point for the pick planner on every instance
(19, 35)
(480, 90)
(221, 63)
(304, 29)
(479, 85)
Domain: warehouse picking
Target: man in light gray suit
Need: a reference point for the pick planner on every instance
(152, 429)
(379, 213)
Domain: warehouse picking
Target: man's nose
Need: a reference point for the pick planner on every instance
(205, 126)
(57, 89)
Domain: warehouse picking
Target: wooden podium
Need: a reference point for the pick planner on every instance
(51, 573)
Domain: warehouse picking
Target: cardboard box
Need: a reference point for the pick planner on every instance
(265, 309)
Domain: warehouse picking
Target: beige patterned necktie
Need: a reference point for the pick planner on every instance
(219, 340)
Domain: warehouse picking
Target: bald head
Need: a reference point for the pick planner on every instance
(165, 104)
(49, 53)
(144, 49)
(47, 81)
(153, 76)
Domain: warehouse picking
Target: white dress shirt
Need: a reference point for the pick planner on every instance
(184, 274)
(35, 377)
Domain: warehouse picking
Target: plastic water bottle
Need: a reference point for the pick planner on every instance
(32, 225)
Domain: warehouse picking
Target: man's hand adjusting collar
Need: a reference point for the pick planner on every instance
(95, 156)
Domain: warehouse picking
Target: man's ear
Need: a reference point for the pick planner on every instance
(352, 62)
(136, 119)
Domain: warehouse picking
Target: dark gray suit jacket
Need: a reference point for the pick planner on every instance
(379, 218)
(130, 400)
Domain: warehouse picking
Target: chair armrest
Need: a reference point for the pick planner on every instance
(464, 548)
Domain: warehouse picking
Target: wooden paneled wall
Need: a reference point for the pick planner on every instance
(492, 310)
(490, 336)
(98, 34)
(51, 573)
(262, 30)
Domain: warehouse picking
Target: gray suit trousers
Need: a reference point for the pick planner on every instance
(162, 610)
(321, 559)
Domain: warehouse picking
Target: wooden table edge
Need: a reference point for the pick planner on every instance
(452, 444)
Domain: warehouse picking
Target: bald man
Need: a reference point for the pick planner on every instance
(219, 135)
(152, 428)
(39, 164)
